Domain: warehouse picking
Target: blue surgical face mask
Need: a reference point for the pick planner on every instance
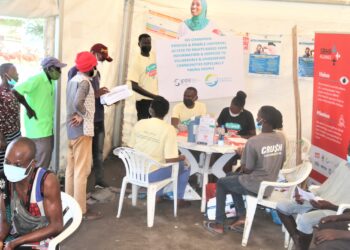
(15, 174)
(11, 81)
(348, 158)
(258, 124)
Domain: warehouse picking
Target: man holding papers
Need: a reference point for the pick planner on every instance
(334, 191)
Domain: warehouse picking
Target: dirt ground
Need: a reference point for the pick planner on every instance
(185, 231)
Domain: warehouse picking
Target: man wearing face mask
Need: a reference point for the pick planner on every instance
(30, 200)
(187, 109)
(80, 130)
(37, 95)
(9, 108)
(143, 76)
(334, 191)
(101, 52)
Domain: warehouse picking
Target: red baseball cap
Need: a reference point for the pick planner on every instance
(85, 61)
(103, 50)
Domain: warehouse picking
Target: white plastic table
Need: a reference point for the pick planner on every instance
(204, 169)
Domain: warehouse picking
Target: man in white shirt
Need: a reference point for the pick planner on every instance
(156, 138)
(187, 109)
(334, 191)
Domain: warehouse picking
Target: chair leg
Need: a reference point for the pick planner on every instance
(175, 196)
(286, 237)
(151, 205)
(134, 189)
(121, 197)
(251, 207)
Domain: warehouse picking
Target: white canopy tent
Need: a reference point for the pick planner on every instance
(117, 24)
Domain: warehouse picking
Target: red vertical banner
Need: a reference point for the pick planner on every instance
(331, 104)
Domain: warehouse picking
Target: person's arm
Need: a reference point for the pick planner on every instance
(333, 218)
(248, 160)
(177, 159)
(53, 213)
(323, 204)
(251, 126)
(175, 121)
(79, 100)
(136, 87)
(2, 141)
(331, 234)
(4, 226)
(30, 112)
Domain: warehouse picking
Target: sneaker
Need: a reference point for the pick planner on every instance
(101, 184)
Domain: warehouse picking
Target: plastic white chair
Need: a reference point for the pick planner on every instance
(294, 176)
(72, 216)
(138, 165)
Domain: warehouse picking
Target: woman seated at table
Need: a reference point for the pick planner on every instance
(262, 158)
(235, 118)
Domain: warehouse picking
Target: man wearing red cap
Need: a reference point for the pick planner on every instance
(80, 129)
(101, 53)
(38, 97)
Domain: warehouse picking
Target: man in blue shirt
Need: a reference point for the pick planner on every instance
(101, 53)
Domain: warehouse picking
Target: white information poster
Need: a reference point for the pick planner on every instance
(211, 64)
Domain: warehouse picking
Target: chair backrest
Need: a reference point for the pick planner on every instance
(137, 164)
(72, 216)
(291, 151)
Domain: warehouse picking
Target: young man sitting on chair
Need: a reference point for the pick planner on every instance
(156, 138)
(333, 192)
(30, 199)
(262, 158)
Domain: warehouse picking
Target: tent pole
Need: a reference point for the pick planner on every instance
(296, 96)
(122, 69)
(57, 125)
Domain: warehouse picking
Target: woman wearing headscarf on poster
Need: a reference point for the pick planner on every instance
(199, 23)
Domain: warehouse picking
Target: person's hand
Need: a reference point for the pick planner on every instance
(321, 204)
(1, 245)
(182, 127)
(101, 91)
(297, 197)
(330, 218)
(9, 246)
(3, 144)
(239, 150)
(182, 157)
(76, 120)
(220, 130)
(31, 113)
(327, 234)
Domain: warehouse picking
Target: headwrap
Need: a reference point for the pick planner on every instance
(198, 22)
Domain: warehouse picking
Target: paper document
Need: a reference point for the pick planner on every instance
(307, 196)
(116, 94)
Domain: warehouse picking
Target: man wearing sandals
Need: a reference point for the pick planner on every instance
(30, 200)
(262, 159)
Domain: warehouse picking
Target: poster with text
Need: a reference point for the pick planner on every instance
(305, 57)
(213, 64)
(264, 56)
(331, 105)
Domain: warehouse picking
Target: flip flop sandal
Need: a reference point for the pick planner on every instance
(237, 228)
(208, 225)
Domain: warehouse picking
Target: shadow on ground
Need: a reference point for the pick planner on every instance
(183, 232)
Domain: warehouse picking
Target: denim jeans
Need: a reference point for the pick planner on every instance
(229, 185)
(163, 173)
(97, 150)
